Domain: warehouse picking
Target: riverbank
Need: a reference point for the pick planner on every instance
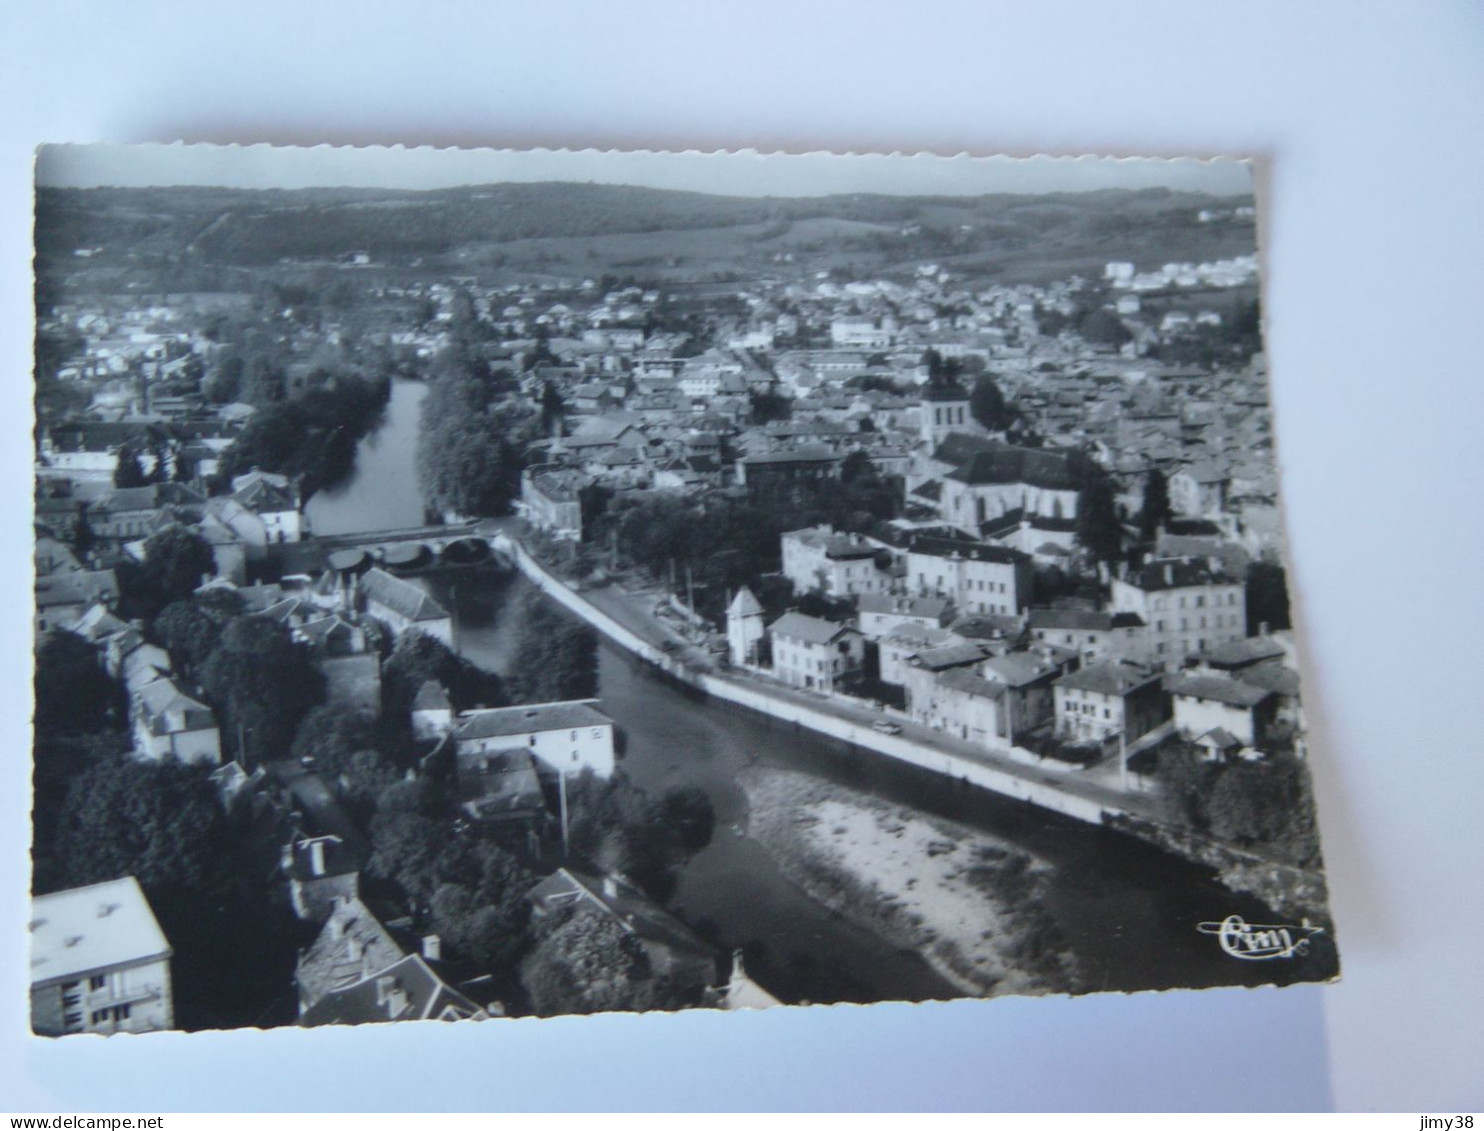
(968, 903)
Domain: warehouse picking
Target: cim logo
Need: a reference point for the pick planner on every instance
(1255, 942)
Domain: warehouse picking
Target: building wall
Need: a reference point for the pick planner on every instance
(188, 746)
(564, 751)
(128, 999)
(1194, 717)
(975, 586)
(743, 635)
(441, 629)
(1186, 620)
(816, 666)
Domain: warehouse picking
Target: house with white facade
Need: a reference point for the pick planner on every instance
(978, 578)
(818, 560)
(99, 962)
(1105, 700)
(1093, 634)
(566, 737)
(1222, 711)
(1187, 605)
(402, 605)
(168, 723)
(814, 653)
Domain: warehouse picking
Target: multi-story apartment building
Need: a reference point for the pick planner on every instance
(976, 577)
(1187, 606)
(99, 962)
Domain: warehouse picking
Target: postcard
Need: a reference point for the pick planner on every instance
(487, 584)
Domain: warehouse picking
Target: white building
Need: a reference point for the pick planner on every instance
(745, 628)
(99, 962)
(881, 614)
(1187, 606)
(863, 333)
(814, 653)
(402, 605)
(976, 577)
(817, 560)
(566, 737)
(1219, 713)
(1105, 700)
(168, 723)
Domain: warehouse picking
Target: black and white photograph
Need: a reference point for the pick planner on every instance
(489, 584)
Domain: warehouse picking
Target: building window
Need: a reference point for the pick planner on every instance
(97, 981)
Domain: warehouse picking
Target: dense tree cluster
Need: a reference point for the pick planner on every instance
(988, 406)
(472, 440)
(417, 658)
(261, 684)
(585, 962)
(313, 437)
(556, 655)
(1266, 806)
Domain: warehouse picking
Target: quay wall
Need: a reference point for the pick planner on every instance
(1046, 795)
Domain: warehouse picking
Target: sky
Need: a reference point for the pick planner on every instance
(744, 173)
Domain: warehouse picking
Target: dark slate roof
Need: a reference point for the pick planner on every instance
(980, 460)
(431, 696)
(407, 990)
(975, 551)
(402, 597)
(1272, 676)
(810, 630)
(1116, 677)
(966, 681)
(1220, 689)
(1242, 653)
(622, 902)
(1177, 573)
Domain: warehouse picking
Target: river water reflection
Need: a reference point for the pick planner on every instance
(382, 492)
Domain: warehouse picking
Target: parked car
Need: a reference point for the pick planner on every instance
(885, 726)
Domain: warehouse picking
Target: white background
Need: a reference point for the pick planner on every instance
(1370, 117)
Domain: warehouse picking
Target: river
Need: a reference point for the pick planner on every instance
(1128, 910)
(382, 492)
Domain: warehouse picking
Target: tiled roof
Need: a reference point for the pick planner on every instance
(809, 630)
(406, 990)
(402, 597)
(1114, 677)
(500, 721)
(1220, 689)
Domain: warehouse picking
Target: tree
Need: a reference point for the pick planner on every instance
(987, 404)
(418, 658)
(1267, 597)
(556, 656)
(471, 447)
(689, 811)
(332, 736)
(74, 695)
(1098, 528)
(1267, 804)
(1104, 328)
(587, 963)
(1156, 511)
(261, 684)
(159, 822)
(176, 560)
(130, 470)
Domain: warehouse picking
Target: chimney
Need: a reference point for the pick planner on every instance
(432, 948)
